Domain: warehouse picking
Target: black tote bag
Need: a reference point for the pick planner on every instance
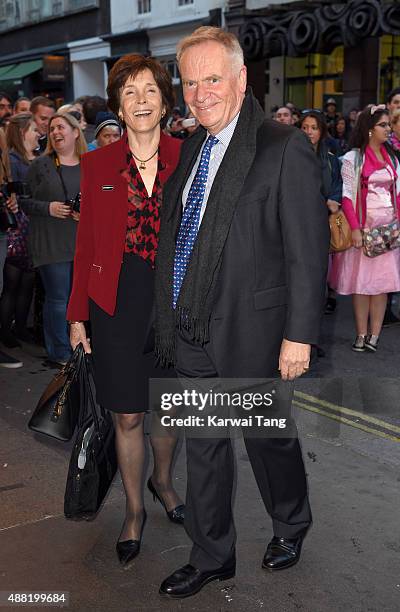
(56, 413)
(93, 462)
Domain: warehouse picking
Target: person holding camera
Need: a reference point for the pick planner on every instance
(8, 204)
(54, 184)
(22, 139)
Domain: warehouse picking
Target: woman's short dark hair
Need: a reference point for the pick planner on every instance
(129, 66)
(360, 135)
(321, 123)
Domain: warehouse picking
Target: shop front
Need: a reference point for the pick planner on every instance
(309, 52)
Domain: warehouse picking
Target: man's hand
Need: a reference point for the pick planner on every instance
(294, 359)
(77, 334)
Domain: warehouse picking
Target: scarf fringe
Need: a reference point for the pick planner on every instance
(197, 328)
(165, 350)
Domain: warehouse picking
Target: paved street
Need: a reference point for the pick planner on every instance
(350, 431)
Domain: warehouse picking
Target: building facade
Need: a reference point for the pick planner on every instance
(308, 51)
(54, 47)
(156, 26)
(303, 51)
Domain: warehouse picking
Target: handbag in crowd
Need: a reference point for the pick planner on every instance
(17, 238)
(341, 238)
(379, 240)
(93, 462)
(56, 414)
(7, 218)
(384, 238)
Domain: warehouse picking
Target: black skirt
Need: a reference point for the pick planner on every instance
(122, 367)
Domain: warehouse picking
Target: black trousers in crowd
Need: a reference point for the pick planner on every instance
(277, 464)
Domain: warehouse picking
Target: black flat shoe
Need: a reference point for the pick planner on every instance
(188, 580)
(282, 553)
(8, 339)
(129, 549)
(176, 515)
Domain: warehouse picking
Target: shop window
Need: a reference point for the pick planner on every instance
(185, 2)
(390, 65)
(310, 80)
(144, 6)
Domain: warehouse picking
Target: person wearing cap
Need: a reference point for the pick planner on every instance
(331, 115)
(108, 129)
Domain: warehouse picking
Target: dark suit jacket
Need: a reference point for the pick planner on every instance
(102, 226)
(271, 283)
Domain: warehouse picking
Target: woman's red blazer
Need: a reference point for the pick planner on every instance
(102, 226)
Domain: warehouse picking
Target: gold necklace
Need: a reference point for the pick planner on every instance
(143, 162)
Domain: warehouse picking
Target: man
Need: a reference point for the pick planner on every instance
(331, 115)
(22, 105)
(240, 284)
(108, 130)
(5, 108)
(42, 109)
(91, 106)
(393, 100)
(284, 115)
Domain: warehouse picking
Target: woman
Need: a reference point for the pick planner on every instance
(22, 140)
(314, 125)
(54, 180)
(341, 135)
(113, 277)
(6, 361)
(370, 199)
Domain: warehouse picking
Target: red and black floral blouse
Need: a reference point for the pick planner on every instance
(143, 212)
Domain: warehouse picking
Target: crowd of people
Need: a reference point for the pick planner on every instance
(41, 149)
(361, 147)
(229, 281)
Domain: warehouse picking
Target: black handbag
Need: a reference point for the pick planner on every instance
(56, 414)
(93, 461)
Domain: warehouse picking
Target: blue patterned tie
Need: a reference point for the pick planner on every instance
(191, 218)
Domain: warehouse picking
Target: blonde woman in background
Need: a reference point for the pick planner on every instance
(54, 182)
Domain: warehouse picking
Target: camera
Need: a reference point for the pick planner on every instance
(7, 218)
(20, 189)
(74, 203)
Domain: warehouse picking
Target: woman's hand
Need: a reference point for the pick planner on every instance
(77, 334)
(12, 203)
(75, 215)
(332, 205)
(357, 238)
(59, 210)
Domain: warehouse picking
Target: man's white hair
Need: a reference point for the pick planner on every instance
(207, 34)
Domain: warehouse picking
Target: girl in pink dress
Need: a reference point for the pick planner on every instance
(375, 203)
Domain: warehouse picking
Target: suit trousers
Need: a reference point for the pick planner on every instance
(278, 468)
